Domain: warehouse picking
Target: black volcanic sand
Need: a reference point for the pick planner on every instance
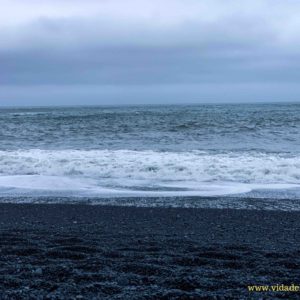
(106, 252)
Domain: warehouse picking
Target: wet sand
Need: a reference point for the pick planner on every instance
(109, 252)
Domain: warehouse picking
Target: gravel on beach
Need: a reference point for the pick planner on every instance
(66, 251)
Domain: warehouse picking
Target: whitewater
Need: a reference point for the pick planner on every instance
(128, 172)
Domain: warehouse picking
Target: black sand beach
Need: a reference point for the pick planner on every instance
(109, 252)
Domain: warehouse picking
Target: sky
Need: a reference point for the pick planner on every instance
(65, 52)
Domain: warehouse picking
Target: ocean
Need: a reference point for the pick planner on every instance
(249, 151)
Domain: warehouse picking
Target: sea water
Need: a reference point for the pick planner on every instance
(151, 151)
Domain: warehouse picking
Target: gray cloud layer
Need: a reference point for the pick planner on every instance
(145, 51)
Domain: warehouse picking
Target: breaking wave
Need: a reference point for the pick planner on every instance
(126, 172)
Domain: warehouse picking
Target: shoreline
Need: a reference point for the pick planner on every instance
(117, 252)
(243, 202)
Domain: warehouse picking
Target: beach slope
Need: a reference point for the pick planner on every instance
(108, 252)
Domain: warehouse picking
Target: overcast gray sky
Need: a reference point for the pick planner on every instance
(148, 51)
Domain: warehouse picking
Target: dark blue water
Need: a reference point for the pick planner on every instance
(265, 127)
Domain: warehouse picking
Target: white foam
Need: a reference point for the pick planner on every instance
(147, 173)
(85, 187)
(38, 182)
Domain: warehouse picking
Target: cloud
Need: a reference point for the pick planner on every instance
(146, 94)
(150, 43)
(146, 22)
